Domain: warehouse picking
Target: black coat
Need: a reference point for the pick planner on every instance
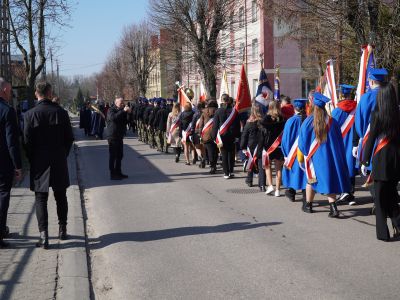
(269, 130)
(10, 155)
(146, 114)
(220, 116)
(48, 139)
(161, 119)
(185, 118)
(117, 120)
(386, 163)
(249, 136)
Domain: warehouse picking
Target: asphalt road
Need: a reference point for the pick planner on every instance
(172, 231)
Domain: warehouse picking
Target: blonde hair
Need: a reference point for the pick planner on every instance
(274, 110)
(320, 129)
(187, 107)
(255, 113)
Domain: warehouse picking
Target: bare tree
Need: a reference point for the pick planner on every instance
(139, 49)
(28, 20)
(200, 23)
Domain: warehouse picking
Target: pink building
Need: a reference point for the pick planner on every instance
(257, 33)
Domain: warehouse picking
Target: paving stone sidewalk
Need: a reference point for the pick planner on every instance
(27, 272)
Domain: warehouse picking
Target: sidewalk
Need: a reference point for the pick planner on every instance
(27, 272)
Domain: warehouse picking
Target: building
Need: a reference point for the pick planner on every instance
(254, 36)
(5, 58)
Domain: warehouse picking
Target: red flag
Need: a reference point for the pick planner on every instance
(183, 98)
(203, 95)
(243, 98)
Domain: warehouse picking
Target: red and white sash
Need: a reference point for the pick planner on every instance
(348, 123)
(252, 159)
(197, 124)
(265, 154)
(224, 128)
(362, 143)
(381, 144)
(186, 133)
(174, 126)
(310, 171)
(207, 126)
(290, 159)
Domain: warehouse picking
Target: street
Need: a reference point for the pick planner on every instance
(172, 231)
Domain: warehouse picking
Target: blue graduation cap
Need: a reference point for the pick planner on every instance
(320, 100)
(346, 89)
(145, 100)
(300, 103)
(378, 74)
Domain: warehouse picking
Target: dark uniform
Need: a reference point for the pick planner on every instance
(10, 159)
(48, 138)
(152, 119)
(161, 126)
(146, 116)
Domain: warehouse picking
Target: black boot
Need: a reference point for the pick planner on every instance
(3, 244)
(202, 164)
(62, 232)
(176, 158)
(290, 194)
(43, 240)
(262, 189)
(334, 213)
(213, 170)
(308, 207)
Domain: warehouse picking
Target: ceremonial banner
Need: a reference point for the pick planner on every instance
(224, 89)
(367, 63)
(277, 86)
(203, 94)
(183, 98)
(263, 90)
(330, 90)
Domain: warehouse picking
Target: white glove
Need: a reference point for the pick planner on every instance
(355, 152)
(363, 170)
(244, 151)
(302, 167)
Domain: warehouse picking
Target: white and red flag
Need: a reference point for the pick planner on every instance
(183, 98)
(203, 93)
(330, 90)
(367, 63)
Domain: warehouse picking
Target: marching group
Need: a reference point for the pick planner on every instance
(312, 146)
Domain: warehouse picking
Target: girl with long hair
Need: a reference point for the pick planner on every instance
(185, 120)
(270, 134)
(321, 148)
(172, 132)
(249, 141)
(383, 150)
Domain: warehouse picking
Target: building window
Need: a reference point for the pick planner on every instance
(241, 17)
(254, 49)
(241, 52)
(254, 11)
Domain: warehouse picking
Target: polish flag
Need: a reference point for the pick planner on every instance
(203, 94)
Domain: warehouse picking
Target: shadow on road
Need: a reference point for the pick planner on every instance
(146, 236)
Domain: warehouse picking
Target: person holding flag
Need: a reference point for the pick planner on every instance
(293, 177)
(344, 114)
(264, 93)
(185, 122)
(173, 129)
(195, 135)
(385, 157)
(269, 146)
(249, 143)
(321, 149)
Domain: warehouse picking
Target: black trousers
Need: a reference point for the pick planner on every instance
(116, 151)
(228, 157)
(386, 198)
(261, 174)
(5, 189)
(212, 152)
(41, 208)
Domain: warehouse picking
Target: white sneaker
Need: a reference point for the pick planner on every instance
(269, 190)
(226, 176)
(277, 193)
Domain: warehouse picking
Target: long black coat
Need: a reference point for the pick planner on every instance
(249, 136)
(386, 163)
(48, 139)
(221, 115)
(10, 156)
(117, 119)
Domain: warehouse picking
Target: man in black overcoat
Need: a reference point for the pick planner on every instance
(48, 139)
(10, 156)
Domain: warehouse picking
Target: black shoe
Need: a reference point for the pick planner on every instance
(3, 244)
(290, 194)
(123, 176)
(213, 171)
(43, 241)
(62, 232)
(187, 163)
(194, 161)
(202, 165)
(249, 184)
(231, 175)
(6, 232)
(262, 189)
(308, 207)
(176, 158)
(372, 212)
(115, 177)
(334, 213)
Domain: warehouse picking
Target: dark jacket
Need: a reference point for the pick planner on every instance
(221, 115)
(269, 130)
(48, 139)
(152, 116)
(146, 114)
(386, 163)
(249, 136)
(161, 119)
(10, 155)
(185, 118)
(116, 123)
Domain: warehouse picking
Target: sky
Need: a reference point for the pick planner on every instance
(96, 27)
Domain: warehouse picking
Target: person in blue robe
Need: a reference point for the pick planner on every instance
(341, 114)
(293, 178)
(329, 160)
(97, 122)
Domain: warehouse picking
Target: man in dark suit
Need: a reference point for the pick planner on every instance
(48, 139)
(117, 119)
(10, 156)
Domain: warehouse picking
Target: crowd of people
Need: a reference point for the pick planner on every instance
(312, 146)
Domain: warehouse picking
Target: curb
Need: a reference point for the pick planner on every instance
(73, 267)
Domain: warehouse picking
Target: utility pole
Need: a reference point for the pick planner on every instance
(52, 69)
(58, 78)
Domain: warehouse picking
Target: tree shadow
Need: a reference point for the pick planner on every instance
(155, 235)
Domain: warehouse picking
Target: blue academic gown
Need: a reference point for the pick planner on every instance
(329, 160)
(294, 178)
(340, 116)
(363, 113)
